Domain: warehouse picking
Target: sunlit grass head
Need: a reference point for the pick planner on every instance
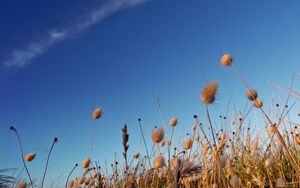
(30, 156)
(208, 92)
(158, 135)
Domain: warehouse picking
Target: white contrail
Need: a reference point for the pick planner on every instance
(21, 57)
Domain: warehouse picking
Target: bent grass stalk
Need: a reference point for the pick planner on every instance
(70, 175)
(22, 154)
(48, 158)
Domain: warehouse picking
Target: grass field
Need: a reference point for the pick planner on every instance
(233, 154)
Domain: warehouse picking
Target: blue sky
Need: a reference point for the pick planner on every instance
(60, 60)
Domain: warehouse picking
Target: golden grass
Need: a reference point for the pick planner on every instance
(234, 154)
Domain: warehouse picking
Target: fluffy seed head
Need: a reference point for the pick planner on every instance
(226, 60)
(209, 92)
(197, 137)
(94, 175)
(251, 94)
(86, 163)
(257, 103)
(159, 162)
(80, 180)
(158, 135)
(97, 113)
(297, 138)
(173, 122)
(188, 143)
(22, 185)
(70, 183)
(30, 156)
(136, 155)
(176, 163)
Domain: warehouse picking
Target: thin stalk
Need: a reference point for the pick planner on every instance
(192, 142)
(160, 111)
(49, 154)
(206, 138)
(22, 155)
(210, 124)
(140, 126)
(169, 147)
(70, 175)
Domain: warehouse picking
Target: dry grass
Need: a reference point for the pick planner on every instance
(233, 154)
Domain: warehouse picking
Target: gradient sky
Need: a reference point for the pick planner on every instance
(61, 60)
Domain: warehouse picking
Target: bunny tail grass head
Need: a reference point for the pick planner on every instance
(226, 60)
(251, 94)
(70, 184)
(136, 155)
(23, 184)
(30, 156)
(158, 135)
(173, 122)
(97, 113)
(86, 163)
(159, 162)
(188, 142)
(208, 93)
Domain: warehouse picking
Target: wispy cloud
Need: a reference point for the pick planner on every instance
(21, 57)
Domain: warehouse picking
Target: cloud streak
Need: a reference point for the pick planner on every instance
(34, 49)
